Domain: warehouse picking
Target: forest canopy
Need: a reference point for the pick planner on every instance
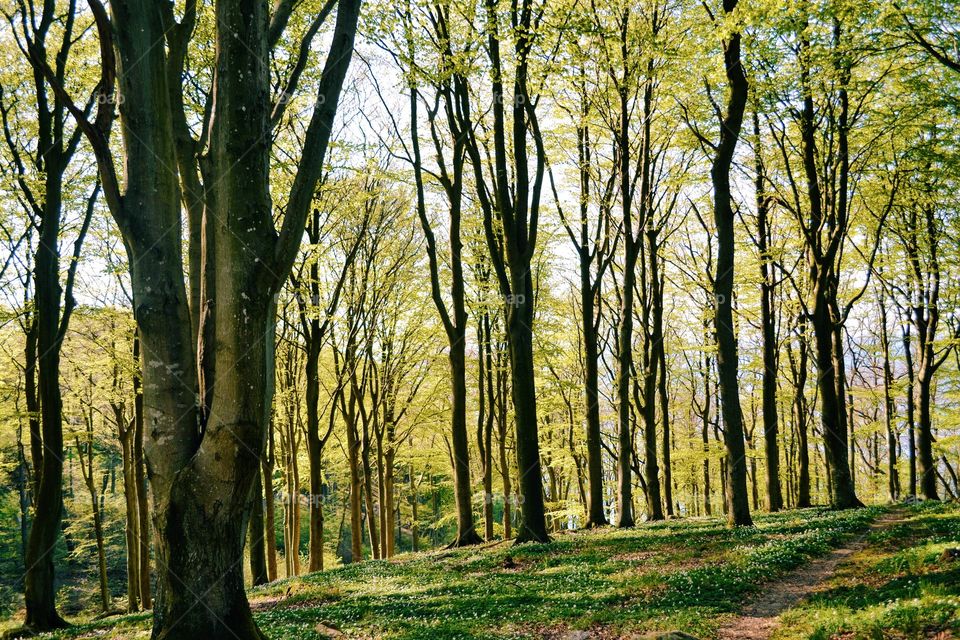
(296, 284)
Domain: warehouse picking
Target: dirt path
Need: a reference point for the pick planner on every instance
(760, 618)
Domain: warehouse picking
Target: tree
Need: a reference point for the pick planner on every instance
(596, 250)
(201, 494)
(509, 199)
(40, 176)
(738, 510)
(449, 174)
(763, 240)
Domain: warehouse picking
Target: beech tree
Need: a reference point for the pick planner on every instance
(201, 493)
(738, 510)
(46, 38)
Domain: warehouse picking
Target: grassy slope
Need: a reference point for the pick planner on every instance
(895, 588)
(686, 574)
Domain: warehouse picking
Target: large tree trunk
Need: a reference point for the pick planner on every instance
(201, 494)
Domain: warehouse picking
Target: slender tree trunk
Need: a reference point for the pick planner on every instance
(768, 325)
(911, 418)
(893, 475)
(144, 529)
(738, 510)
(314, 447)
(85, 450)
(414, 516)
(502, 441)
(800, 419)
(258, 556)
(926, 468)
(132, 520)
(269, 512)
(390, 528)
(664, 397)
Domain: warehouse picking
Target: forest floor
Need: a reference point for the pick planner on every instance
(871, 573)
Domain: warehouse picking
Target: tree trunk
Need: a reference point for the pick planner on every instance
(893, 475)
(466, 531)
(911, 410)
(832, 411)
(738, 509)
(771, 428)
(132, 521)
(664, 397)
(926, 468)
(258, 556)
(533, 528)
(800, 419)
(314, 447)
(269, 512)
(504, 464)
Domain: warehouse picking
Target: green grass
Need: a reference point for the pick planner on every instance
(895, 588)
(685, 574)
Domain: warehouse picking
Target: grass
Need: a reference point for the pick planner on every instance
(687, 574)
(895, 588)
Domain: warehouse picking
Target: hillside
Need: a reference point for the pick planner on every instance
(692, 575)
